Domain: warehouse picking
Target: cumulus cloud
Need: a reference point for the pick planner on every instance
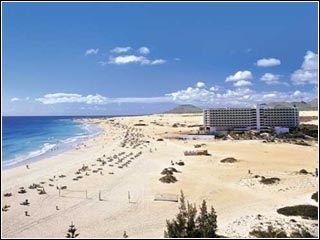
(242, 83)
(269, 95)
(270, 78)
(92, 51)
(297, 93)
(212, 97)
(310, 61)
(242, 96)
(200, 84)
(15, 99)
(308, 73)
(268, 62)
(128, 59)
(144, 50)
(122, 60)
(54, 98)
(214, 88)
(121, 49)
(158, 61)
(240, 75)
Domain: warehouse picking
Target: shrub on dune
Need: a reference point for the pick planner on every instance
(315, 196)
(305, 211)
(270, 180)
(229, 160)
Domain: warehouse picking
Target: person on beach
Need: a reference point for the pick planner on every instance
(27, 166)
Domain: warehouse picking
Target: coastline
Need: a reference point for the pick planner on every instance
(227, 187)
(62, 146)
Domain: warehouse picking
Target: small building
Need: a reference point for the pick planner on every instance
(281, 130)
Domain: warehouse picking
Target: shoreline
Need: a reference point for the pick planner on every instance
(59, 148)
(228, 187)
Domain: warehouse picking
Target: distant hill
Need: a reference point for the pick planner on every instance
(312, 105)
(186, 108)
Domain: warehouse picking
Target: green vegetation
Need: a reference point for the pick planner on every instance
(305, 211)
(169, 178)
(305, 129)
(169, 170)
(271, 232)
(229, 160)
(188, 225)
(315, 196)
(303, 171)
(302, 143)
(72, 232)
(269, 180)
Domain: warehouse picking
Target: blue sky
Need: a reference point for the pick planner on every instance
(133, 58)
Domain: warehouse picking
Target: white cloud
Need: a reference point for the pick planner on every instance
(121, 60)
(240, 75)
(242, 83)
(270, 78)
(158, 61)
(144, 50)
(121, 49)
(214, 88)
(54, 98)
(310, 61)
(301, 77)
(127, 59)
(270, 62)
(92, 51)
(308, 73)
(297, 93)
(200, 84)
(269, 95)
(191, 94)
(236, 98)
(213, 97)
(16, 99)
(177, 59)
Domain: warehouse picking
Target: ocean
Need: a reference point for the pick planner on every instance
(28, 139)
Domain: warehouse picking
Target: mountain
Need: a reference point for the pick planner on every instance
(185, 108)
(312, 105)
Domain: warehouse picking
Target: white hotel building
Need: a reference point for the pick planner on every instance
(256, 118)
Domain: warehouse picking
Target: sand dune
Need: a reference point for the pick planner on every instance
(133, 166)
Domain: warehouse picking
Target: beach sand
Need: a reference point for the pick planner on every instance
(310, 114)
(128, 191)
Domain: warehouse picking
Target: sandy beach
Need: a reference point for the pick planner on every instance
(111, 182)
(313, 114)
